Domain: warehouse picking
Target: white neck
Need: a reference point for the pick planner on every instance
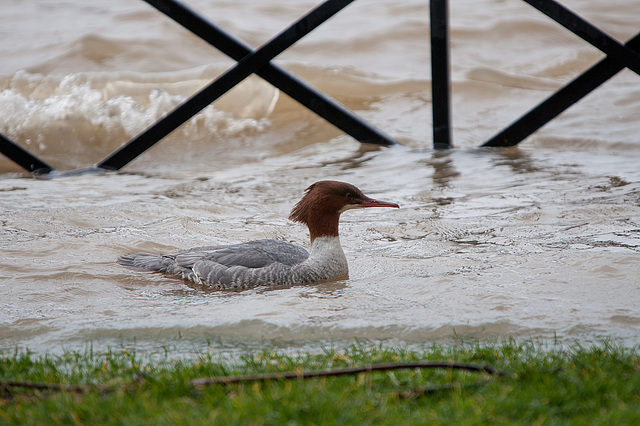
(327, 258)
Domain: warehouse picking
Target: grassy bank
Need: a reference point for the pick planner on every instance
(577, 385)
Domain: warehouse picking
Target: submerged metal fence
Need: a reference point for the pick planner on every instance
(618, 57)
(259, 62)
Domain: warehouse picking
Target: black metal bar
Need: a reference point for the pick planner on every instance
(224, 83)
(297, 89)
(588, 32)
(440, 79)
(22, 157)
(561, 100)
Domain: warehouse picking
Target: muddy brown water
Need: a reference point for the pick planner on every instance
(540, 241)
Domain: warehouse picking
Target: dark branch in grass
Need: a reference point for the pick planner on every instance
(54, 387)
(417, 392)
(6, 385)
(346, 371)
(487, 369)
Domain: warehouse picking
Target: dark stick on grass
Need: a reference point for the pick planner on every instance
(8, 384)
(54, 387)
(418, 392)
(346, 371)
(264, 377)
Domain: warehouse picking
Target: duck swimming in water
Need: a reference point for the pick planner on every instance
(271, 262)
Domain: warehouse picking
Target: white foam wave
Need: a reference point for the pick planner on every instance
(38, 109)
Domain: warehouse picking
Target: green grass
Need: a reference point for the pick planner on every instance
(576, 385)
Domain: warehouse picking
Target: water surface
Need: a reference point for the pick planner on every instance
(539, 241)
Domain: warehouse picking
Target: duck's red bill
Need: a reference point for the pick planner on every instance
(370, 202)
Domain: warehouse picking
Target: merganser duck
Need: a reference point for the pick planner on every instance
(271, 262)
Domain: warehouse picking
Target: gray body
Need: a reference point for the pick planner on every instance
(250, 264)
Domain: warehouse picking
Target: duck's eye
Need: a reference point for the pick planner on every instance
(353, 198)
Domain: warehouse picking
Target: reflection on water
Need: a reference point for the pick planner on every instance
(517, 159)
(443, 169)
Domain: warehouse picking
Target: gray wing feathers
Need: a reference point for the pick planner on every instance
(253, 254)
(235, 266)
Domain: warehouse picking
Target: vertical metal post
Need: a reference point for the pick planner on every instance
(440, 79)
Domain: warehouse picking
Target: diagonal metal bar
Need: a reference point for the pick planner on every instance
(22, 157)
(588, 32)
(223, 84)
(561, 100)
(296, 88)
